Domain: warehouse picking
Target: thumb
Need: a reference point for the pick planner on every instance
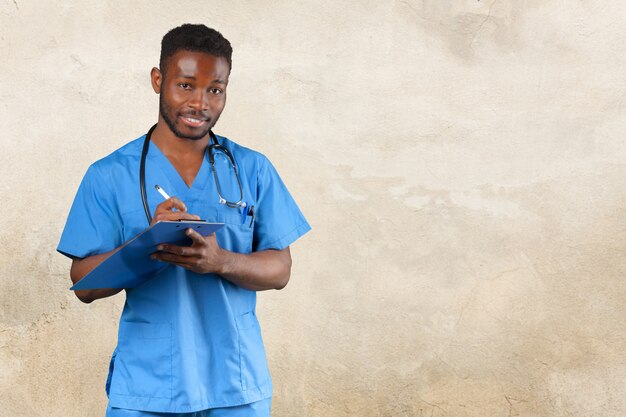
(196, 237)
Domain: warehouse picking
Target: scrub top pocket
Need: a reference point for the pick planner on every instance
(143, 363)
(252, 361)
(235, 236)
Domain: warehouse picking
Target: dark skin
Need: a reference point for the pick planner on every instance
(193, 95)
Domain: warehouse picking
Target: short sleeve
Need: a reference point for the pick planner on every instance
(93, 225)
(278, 220)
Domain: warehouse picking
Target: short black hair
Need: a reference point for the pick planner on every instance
(196, 38)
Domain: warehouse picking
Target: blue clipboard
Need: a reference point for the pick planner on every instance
(131, 266)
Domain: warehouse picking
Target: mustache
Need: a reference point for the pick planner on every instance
(197, 115)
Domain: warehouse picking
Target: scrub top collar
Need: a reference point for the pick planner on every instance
(180, 188)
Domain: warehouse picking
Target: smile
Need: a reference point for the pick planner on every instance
(193, 122)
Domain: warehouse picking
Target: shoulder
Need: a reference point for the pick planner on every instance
(120, 159)
(243, 155)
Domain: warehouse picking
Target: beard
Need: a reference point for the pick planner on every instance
(168, 115)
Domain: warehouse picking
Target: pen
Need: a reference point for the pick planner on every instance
(162, 192)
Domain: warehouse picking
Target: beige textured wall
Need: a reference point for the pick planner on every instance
(461, 163)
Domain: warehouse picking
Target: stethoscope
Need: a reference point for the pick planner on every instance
(214, 146)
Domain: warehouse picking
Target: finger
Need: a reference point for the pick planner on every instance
(170, 204)
(183, 261)
(196, 237)
(174, 253)
(171, 249)
(186, 251)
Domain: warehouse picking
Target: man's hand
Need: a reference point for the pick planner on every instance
(165, 211)
(257, 271)
(204, 256)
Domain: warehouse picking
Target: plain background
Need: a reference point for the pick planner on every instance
(461, 163)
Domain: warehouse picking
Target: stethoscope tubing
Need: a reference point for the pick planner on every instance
(142, 173)
(215, 145)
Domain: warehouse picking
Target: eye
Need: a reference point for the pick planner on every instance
(216, 91)
(185, 86)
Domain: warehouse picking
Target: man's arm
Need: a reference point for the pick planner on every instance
(82, 266)
(257, 271)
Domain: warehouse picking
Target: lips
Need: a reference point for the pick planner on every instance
(193, 121)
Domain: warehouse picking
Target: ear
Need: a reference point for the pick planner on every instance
(156, 79)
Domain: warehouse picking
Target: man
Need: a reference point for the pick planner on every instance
(189, 342)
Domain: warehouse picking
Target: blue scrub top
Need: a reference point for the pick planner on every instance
(186, 341)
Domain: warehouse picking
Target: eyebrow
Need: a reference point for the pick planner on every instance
(191, 77)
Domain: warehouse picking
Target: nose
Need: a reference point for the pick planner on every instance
(199, 100)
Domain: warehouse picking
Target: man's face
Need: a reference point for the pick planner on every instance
(192, 92)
